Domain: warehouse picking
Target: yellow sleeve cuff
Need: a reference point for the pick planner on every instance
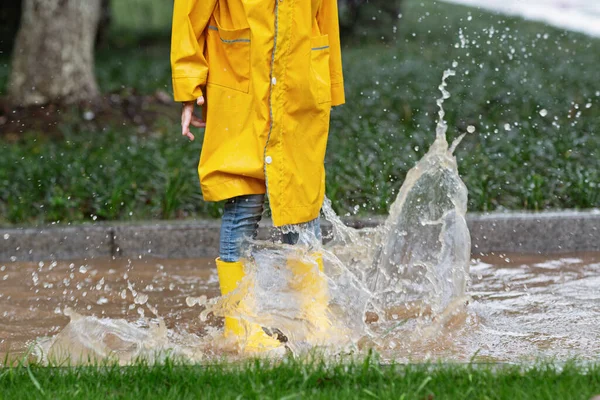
(186, 89)
(338, 96)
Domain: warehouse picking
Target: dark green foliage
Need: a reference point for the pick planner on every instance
(10, 17)
(369, 20)
(291, 379)
(111, 175)
(389, 119)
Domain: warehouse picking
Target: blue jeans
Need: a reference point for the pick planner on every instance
(240, 222)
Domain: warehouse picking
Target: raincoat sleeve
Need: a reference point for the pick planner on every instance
(328, 21)
(188, 38)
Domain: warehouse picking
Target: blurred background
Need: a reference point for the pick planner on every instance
(91, 138)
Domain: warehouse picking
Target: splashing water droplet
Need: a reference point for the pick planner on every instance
(470, 129)
(192, 301)
(6, 236)
(141, 298)
(543, 112)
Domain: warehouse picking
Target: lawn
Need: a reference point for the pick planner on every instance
(292, 379)
(530, 91)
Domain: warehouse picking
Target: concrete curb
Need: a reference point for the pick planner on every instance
(551, 232)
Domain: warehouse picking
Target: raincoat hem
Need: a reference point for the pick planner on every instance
(228, 189)
(295, 215)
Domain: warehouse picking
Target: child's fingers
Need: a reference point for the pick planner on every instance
(186, 119)
(200, 101)
(190, 135)
(198, 122)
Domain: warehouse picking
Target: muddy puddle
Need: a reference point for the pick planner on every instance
(521, 307)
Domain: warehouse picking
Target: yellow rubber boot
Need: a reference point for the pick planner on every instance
(313, 295)
(250, 337)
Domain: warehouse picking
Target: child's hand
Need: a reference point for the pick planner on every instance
(188, 117)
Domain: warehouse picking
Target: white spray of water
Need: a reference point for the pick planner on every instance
(377, 284)
(418, 260)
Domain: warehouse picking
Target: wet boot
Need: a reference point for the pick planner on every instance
(312, 293)
(250, 337)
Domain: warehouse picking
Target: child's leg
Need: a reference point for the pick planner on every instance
(240, 220)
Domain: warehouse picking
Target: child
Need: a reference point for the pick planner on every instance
(266, 73)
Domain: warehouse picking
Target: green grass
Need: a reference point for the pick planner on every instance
(293, 379)
(386, 126)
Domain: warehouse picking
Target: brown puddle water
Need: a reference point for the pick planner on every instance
(522, 307)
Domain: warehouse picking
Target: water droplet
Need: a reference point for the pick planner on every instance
(141, 298)
(543, 112)
(192, 301)
(6, 236)
(470, 129)
(35, 278)
(507, 127)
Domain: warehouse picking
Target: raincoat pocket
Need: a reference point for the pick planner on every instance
(319, 64)
(228, 56)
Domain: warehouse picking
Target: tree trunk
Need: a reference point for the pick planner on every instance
(53, 57)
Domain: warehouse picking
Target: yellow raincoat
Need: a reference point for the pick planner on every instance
(271, 70)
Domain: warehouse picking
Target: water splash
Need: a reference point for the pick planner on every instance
(425, 246)
(416, 264)
(89, 339)
(378, 287)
